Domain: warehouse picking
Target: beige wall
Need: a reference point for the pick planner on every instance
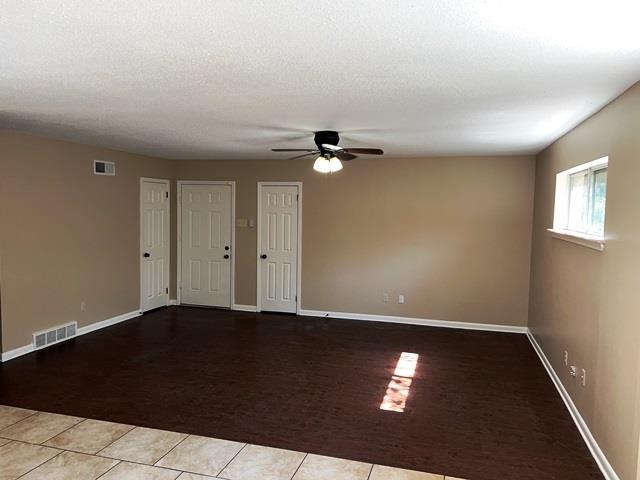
(587, 302)
(66, 235)
(451, 234)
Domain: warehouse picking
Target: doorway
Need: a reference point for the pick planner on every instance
(206, 237)
(279, 246)
(154, 243)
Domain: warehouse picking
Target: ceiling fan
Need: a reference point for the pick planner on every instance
(330, 154)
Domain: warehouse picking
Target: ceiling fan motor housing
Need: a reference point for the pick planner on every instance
(326, 136)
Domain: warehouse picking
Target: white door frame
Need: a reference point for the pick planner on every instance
(168, 272)
(233, 235)
(259, 237)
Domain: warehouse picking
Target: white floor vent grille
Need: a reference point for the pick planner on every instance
(53, 335)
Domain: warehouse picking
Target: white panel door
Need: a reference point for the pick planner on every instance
(154, 244)
(278, 248)
(206, 245)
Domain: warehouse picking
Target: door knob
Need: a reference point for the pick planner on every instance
(226, 256)
(146, 254)
(226, 247)
(263, 256)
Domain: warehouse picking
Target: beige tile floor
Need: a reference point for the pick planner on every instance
(39, 445)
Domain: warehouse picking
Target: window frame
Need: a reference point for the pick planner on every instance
(593, 172)
(562, 205)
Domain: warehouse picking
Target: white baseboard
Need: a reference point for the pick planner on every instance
(173, 302)
(18, 352)
(598, 455)
(415, 321)
(108, 322)
(244, 308)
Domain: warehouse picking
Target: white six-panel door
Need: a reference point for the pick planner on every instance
(206, 222)
(154, 243)
(278, 248)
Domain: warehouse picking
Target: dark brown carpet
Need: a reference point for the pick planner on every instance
(481, 405)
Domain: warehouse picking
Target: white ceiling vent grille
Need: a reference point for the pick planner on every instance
(54, 335)
(100, 167)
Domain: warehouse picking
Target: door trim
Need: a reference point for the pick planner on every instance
(299, 246)
(180, 183)
(168, 232)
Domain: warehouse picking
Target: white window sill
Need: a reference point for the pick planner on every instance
(589, 241)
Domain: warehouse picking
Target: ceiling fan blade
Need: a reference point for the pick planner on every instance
(364, 151)
(344, 156)
(315, 152)
(333, 148)
(293, 150)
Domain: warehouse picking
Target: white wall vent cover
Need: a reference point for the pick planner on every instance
(53, 335)
(100, 167)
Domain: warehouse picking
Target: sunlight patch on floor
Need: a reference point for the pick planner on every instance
(395, 398)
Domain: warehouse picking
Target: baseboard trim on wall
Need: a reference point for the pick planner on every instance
(597, 453)
(244, 308)
(108, 322)
(415, 321)
(20, 351)
(16, 352)
(173, 302)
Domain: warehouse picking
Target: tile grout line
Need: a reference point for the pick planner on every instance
(84, 420)
(15, 423)
(130, 461)
(133, 427)
(303, 459)
(42, 444)
(95, 455)
(39, 465)
(371, 471)
(119, 460)
(35, 412)
(112, 467)
(232, 459)
(65, 430)
(155, 464)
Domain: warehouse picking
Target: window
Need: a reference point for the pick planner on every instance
(581, 194)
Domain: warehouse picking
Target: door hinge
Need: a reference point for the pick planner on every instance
(167, 194)
(297, 197)
(296, 298)
(166, 290)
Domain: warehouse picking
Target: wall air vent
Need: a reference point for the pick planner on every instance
(54, 335)
(100, 167)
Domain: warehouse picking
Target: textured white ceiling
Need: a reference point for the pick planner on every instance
(233, 79)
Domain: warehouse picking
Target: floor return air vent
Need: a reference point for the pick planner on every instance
(53, 335)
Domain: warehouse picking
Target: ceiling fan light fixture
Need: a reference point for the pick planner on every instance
(322, 165)
(331, 153)
(335, 165)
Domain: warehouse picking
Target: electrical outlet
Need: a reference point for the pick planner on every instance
(400, 298)
(573, 371)
(385, 297)
(583, 377)
(566, 358)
